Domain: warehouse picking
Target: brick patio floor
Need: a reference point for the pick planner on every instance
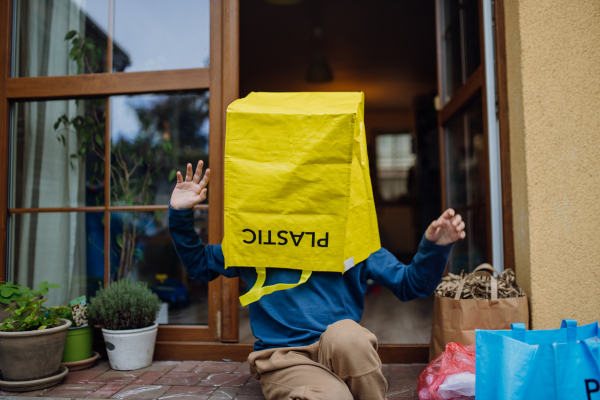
(189, 380)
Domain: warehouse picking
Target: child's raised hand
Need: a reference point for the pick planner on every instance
(192, 191)
(446, 229)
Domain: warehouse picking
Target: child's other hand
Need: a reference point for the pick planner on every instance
(192, 191)
(446, 229)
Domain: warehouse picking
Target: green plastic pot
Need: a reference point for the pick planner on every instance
(78, 345)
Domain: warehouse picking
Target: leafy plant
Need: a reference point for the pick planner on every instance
(31, 315)
(124, 305)
(84, 51)
(11, 292)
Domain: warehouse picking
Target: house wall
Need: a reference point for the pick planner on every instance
(553, 61)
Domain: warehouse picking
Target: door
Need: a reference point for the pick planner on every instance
(101, 102)
(473, 129)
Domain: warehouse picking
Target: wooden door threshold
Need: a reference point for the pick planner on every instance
(214, 351)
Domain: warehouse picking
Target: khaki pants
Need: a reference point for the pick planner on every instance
(343, 364)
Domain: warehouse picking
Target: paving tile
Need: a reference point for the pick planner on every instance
(217, 367)
(225, 393)
(167, 363)
(81, 376)
(395, 370)
(252, 387)
(250, 397)
(181, 379)
(243, 367)
(399, 394)
(417, 368)
(122, 377)
(5, 393)
(186, 366)
(149, 378)
(102, 365)
(71, 390)
(141, 392)
(229, 380)
(159, 367)
(385, 370)
(188, 393)
(106, 391)
(36, 393)
(409, 383)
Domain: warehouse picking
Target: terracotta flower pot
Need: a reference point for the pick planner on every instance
(32, 355)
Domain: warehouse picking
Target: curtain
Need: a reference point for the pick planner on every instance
(47, 246)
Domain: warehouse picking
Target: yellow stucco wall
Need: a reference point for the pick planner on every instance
(553, 60)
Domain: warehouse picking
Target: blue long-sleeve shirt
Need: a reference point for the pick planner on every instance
(298, 316)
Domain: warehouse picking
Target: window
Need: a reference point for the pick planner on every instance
(93, 152)
(395, 160)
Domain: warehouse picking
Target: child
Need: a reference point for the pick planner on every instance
(310, 345)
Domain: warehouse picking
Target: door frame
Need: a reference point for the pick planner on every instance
(476, 85)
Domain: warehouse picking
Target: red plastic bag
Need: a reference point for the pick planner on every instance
(455, 360)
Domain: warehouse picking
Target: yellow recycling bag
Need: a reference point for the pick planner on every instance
(297, 187)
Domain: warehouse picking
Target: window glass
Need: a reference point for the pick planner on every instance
(452, 48)
(62, 248)
(142, 250)
(456, 160)
(472, 49)
(160, 35)
(65, 37)
(58, 153)
(467, 185)
(395, 160)
(153, 136)
(460, 38)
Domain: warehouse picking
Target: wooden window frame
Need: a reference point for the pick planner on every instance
(220, 78)
(473, 86)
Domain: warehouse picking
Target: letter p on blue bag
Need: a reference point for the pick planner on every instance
(297, 187)
(544, 364)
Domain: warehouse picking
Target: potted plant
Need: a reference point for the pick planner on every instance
(126, 312)
(78, 353)
(9, 293)
(31, 343)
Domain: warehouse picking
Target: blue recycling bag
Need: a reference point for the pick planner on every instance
(543, 364)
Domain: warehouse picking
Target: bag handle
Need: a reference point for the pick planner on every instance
(482, 269)
(518, 331)
(259, 291)
(571, 326)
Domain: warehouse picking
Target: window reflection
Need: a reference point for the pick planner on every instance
(142, 250)
(160, 35)
(62, 248)
(65, 37)
(58, 153)
(153, 136)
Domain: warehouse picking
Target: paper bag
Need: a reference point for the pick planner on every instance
(455, 320)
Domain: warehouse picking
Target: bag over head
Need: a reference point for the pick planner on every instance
(297, 187)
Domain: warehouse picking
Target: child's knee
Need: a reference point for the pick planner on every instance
(347, 337)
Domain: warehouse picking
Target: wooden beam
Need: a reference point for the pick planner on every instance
(106, 84)
(462, 96)
(215, 157)
(404, 353)
(504, 132)
(5, 55)
(97, 209)
(179, 333)
(230, 318)
(199, 351)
